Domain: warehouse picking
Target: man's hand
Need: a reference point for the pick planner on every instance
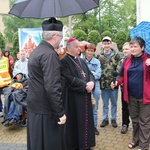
(113, 85)
(89, 86)
(62, 120)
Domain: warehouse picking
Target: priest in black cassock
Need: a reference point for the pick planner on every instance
(45, 129)
(79, 128)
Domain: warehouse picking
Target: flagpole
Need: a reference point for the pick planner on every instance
(70, 26)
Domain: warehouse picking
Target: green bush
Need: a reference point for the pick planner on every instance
(106, 33)
(93, 37)
(2, 41)
(120, 39)
(80, 35)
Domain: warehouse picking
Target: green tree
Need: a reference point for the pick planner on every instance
(94, 37)
(120, 39)
(128, 37)
(108, 19)
(118, 15)
(115, 15)
(106, 33)
(80, 35)
(126, 14)
(86, 22)
(15, 42)
(12, 23)
(2, 42)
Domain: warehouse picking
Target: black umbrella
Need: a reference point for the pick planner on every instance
(51, 8)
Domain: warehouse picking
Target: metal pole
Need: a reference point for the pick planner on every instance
(70, 26)
(100, 27)
(29, 23)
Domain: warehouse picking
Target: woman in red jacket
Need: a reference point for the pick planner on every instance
(135, 75)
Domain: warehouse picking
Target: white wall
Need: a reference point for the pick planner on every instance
(143, 10)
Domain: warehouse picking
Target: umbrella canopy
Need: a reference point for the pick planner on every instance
(51, 8)
(142, 30)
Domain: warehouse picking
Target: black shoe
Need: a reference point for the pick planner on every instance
(104, 123)
(3, 121)
(124, 129)
(96, 131)
(6, 123)
(114, 123)
(132, 145)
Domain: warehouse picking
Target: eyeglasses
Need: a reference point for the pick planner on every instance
(60, 35)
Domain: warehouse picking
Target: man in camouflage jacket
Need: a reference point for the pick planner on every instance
(109, 60)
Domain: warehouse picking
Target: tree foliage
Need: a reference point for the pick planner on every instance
(93, 37)
(86, 22)
(111, 17)
(80, 35)
(117, 15)
(2, 42)
(15, 43)
(120, 39)
(106, 33)
(12, 23)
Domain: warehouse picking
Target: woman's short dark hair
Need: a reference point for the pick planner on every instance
(90, 46)
(138, 40)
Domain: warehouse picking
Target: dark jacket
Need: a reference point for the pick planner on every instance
(44, 95)
(18, 95)
(44, 100)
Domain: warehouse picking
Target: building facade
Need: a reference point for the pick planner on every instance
(4, 8)
(142, 10)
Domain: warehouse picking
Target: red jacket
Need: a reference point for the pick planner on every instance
(146, 79)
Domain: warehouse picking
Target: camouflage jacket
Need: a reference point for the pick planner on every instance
(108, 66)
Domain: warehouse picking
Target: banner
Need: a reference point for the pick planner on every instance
(29, 38)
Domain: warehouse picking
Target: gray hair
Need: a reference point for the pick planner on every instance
(47, 35)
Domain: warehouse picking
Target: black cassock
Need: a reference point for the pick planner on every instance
(79, 130)
(44, 100)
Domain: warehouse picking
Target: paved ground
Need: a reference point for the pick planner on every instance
(14, 138)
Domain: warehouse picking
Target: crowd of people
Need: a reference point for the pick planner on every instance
(13, 85)
(60, 90)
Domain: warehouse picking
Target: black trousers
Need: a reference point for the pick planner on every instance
(125, 112)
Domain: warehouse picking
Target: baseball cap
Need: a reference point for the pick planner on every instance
(107, 38)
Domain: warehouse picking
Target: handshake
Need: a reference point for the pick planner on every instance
(113, 84)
